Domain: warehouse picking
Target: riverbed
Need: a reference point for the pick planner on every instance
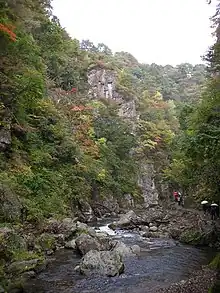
(160, 263)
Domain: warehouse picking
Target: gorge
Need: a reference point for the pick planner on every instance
(90, 138)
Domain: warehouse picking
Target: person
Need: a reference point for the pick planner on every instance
(175, 195)
(205, 206)
(213, 210)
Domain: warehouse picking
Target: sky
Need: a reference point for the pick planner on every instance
(153, 31)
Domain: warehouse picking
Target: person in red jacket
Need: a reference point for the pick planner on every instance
(175, 195)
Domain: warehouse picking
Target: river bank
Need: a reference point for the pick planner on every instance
(142, 240)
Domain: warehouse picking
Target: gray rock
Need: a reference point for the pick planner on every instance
(10, 207)
(71, 244)
(5, 133)
(83, 228)
(101, 234)
(122, 249)
(142, 233)
(28, 275)
(68, 221)
(147, 183)
(10, 241)
(85, 243)
(145, 228)
(66, 227)
(130, 219)
(153, 228)
(85, 212)
(136, 249)
(47, 242)
(105, 263)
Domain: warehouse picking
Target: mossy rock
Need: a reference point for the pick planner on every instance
(191, 237)
(46, 242)
(194, 238)
(19, 267)
(215, 263)
(10, 208)
(10, 242)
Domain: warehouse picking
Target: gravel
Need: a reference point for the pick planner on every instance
(200, 282)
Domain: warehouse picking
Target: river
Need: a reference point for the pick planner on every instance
(160, 263)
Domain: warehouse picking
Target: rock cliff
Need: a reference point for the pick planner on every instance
(103, 85)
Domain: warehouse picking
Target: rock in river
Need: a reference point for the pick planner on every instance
(105, 263)
(85, 243)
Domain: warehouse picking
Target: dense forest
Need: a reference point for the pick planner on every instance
(60, 146)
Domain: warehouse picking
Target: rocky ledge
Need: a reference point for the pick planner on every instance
(186, 225)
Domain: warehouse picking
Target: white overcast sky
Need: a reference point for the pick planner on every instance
(154, 31)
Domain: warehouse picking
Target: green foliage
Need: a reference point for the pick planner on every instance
(196, 158)
(215, 263)
(59, 155)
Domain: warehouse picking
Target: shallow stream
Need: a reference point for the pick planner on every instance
(160, 263)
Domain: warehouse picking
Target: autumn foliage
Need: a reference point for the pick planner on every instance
(9, 31)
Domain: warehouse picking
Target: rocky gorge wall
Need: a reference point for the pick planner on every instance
(103, 85)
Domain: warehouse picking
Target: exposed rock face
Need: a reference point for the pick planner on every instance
(106, 263)
(147, 184)
(107, 206)
(85, 212)
(103, 85)
(5, 131)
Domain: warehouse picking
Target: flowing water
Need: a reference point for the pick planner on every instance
(160, 263)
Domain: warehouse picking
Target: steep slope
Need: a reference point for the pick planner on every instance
(79, 124)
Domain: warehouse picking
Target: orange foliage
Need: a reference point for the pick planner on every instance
(80, 108)
(8, 30)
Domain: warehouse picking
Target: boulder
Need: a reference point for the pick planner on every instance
(85, 243)
(144, 228)
(108, 207)
(121, 248)
(136, 249)
(85, 212)
(46, 242)
(105, 263)
(10, 207)
(153, 228)
(128, 220)
(71, 244)
(10, 242)
(19, 267)
(101, 234)
(84, 228)
(67, 227)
